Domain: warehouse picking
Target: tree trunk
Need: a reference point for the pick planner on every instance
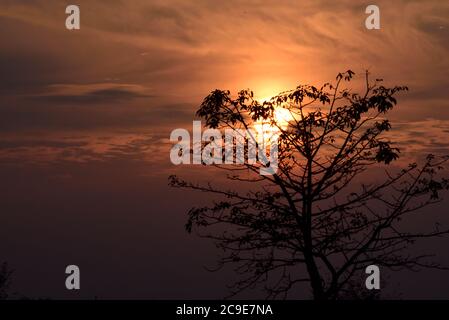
(312, 269)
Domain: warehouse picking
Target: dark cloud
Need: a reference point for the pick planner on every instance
(51, 115)
(102, 96)
(437, 28)
(20, 143)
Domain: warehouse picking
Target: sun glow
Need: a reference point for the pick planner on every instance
(281, 118)
(270, 129)
(281, 115)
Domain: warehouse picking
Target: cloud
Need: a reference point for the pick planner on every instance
(416, 139)
(25, 143)
(117, 146)
(132, 115)
(181, 50)
(93, 93)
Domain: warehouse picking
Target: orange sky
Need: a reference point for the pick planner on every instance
(180, 50)
(145, 66)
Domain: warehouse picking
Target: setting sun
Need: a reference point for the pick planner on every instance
(282, 117)
(268, 130)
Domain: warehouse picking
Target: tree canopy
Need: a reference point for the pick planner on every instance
(318, 221)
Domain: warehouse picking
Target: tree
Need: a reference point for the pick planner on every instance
(317, 221)
(5, 280)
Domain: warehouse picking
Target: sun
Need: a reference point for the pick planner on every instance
(267, 130)
(283, 117)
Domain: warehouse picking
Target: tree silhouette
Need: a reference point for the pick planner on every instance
(317, 221)
(5, 280)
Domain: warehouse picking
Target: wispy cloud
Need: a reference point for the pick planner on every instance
(183, 49)
(93, 93)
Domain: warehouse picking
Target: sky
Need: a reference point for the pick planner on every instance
(85, 118)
